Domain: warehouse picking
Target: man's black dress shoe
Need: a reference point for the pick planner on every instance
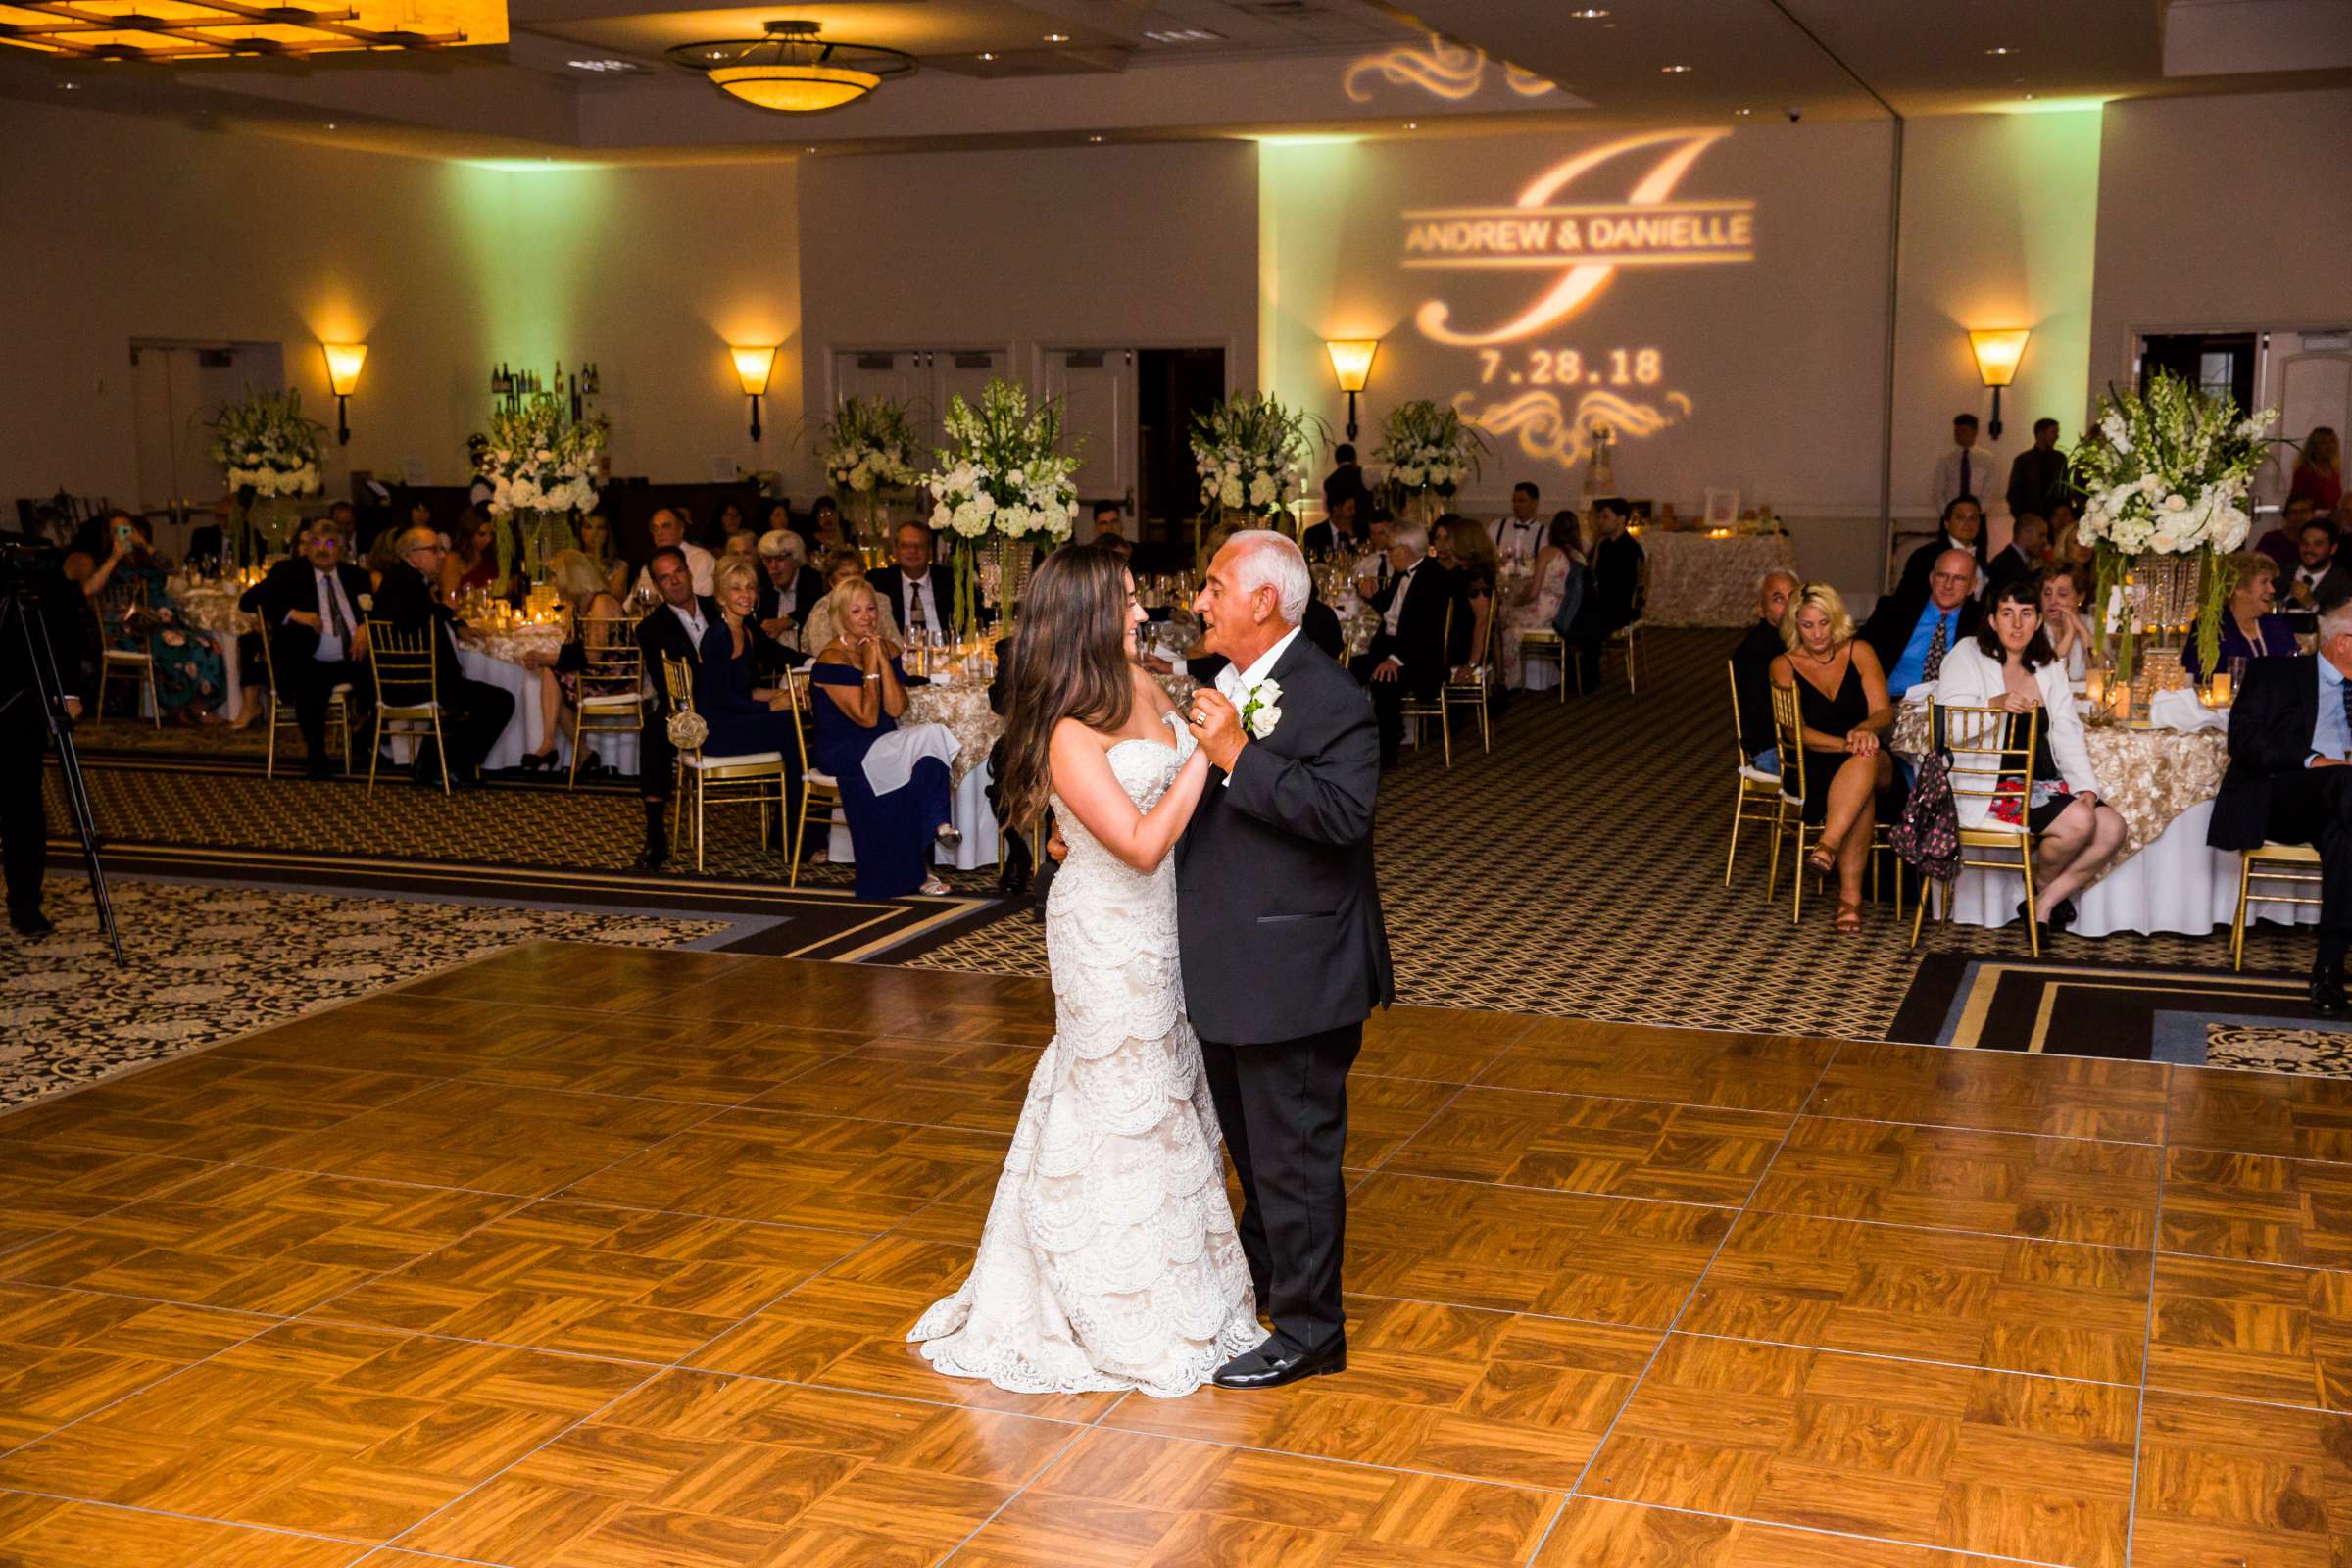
(2326, 990)
(31, 922)
(315, 767)
(1271, 1365)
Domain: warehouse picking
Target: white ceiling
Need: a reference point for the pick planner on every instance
(1032, 71)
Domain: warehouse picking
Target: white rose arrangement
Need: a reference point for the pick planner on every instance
(269, 454)
(1001, 478)
(1252, 453)
(543, 466)
(1429, 448)
(869, 447)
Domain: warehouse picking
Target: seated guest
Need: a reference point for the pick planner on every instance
(473, 558)
(1372, 569)
(190, 680)
(1521, 535)
(2062, 621)
(596, 543)
(2320, 470)
(738, 687)
(828, 530)
(314, 612)
(894, 782)
(2028, 548)
(1107, 521)
(789, 587)
(1536, 602)
(819, 630)
(669, 528)
(1912, 639)
(674, 629)
(2320, 578)
(1441, 541)
(1751, 669)
(474, 713)
(1411, 652)
(2282, 543)
(741, 545)
(1615, 596)
(1477, 571)
(2068, 546)
(1844, 708)
(2008, 664)
(1963, 530)
(726, 523)
(2290, 735)
(1340, 532)
(2251, 626)
(580, 581)
(919, 591)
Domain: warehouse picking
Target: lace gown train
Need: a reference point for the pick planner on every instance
(1109, 1259)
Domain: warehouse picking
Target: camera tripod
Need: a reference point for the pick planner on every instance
(24, 617)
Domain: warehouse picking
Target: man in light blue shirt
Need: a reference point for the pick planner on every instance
(1950, 582)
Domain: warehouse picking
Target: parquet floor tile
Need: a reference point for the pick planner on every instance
(1444, 1045)
(66, 1353)
(2257, 1208)
(931, 1082)
(1638, 1061)
(1595, 1533)
(661, 1059)
(43, 1185)
(1574, 1143)
(1998, 1091)
(2252, 1331)
(2062, 1189)
(402, 1032)
(208, 1108)
(1990, 1462)
(2063, 1308)
(878, 1001)
(2262, 1113)
(1383, 1113)
(2225, 1482)
(49, 1534)
(581, 976)
(1568, 1255)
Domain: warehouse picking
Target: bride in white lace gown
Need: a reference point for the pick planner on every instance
(1108, 1260)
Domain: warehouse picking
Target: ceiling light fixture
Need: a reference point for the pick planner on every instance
(1185, 35)
(790, 70)
(1058, 38)
(245, 29)
(1094, 139)
(988, 54)
(1675, 71)
(2003, 49)
(605, 66)
(1744, 112)
(1589, 14)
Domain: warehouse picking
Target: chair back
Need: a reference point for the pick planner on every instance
(797, 682)
(119, 602)
(1788, 735)
(1985, 749)
(611, 659)
(1641, 585)
(1738, 733)
(400, 658)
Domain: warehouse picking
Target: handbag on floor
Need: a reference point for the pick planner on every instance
(1927, 836)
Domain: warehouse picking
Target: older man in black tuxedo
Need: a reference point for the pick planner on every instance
(2290, 739)
(1284, 948)
(673, 629)
(1416, 646)
(314, 608)
(921, 592)
(474, 712)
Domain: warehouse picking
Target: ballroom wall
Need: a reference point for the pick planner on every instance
(441, 268)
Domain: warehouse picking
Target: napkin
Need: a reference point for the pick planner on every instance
(2181, 710)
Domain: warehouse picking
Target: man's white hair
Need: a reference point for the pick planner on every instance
(1786, 576)
(1413, 536)
(2335, 623)
(1265, 558)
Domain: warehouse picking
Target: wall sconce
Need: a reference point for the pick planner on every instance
(751, 367)
(1352, 363)
(343, 361)
(1998, 354)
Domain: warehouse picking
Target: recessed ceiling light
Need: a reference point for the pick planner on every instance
(1675, 71)
(988, 54)
(69, 87)
(2004, 49)
(1185, 35)
(1589, 14)
(1412, 125)
(2028, 97)
(1058, 38)
(1094, 139)
(808, 149)
(1744, 112)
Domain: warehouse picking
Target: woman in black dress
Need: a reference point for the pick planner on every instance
(740, 686)
(1841, 702)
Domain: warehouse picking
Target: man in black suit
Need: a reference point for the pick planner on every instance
(1963, 529)
(2037, 475)
(1347, 477)
(1615, 602)
(1341, 533)
(1911, 638)
(1414, 650)
(1282, 940)
(673, 629)
(25, 725)
(2290, 737)
(474, 712)
(2319, 576)
(919, 591)
(2029, 546)
(1751, 669)
(314, 608)
(1106, 521)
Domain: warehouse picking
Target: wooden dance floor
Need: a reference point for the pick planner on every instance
(601, 1258)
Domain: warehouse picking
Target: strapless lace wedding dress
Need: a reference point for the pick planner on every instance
(1109, 1259)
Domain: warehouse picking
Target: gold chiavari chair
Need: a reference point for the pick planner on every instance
(1984, 752)
(1472, 693)
(1629, 635)
(749, 778)
(1789, 738)
(1416, 710)
(123, 609)
(1758, 798)
(610, 682)
(400, 658)
(1544, 645)
(816, 789)
(281, 711)
(2299, 866)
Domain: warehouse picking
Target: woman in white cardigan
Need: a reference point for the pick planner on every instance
(2009, 665)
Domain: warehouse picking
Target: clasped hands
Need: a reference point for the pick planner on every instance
(1218, 725)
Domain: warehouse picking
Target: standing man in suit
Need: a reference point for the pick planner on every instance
(314, 608)
(673, 629)
(1280, 933)
(1963, 470)
(474, 712)
(2029, 546)
(919, 591)
(2290, 739)
(2037, 475)
(1411, 652)
(1347, 477)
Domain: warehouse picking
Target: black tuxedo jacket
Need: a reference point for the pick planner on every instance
(1751, 683)
(1277, 903)
(406, 600)
(2010, 562)
(661, 634)
(1320, 626)
(2271, 721)
(1421, 643)
(890, 583)
(1890, 626)
(809, 586)
(1617, 582)
(292, 585)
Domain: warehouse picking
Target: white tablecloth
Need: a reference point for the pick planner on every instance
(1698, 581)
(522, 731)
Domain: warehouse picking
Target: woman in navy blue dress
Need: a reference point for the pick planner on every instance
(894, 781)
(735, 686)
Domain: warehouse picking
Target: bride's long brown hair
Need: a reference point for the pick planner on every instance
(1070, 661)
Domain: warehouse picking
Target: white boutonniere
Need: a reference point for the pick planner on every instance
(367, 602)
(1260, 713)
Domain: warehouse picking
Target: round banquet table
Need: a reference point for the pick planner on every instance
(1698, 581)
(211, 610)
(495, 659)
(2162, 783)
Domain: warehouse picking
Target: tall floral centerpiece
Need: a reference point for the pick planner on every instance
(1429, 450)
(1252, 451)
(2165, 477)
(1003, 487)
(868, 449)
(271, 455)
(544, 468)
